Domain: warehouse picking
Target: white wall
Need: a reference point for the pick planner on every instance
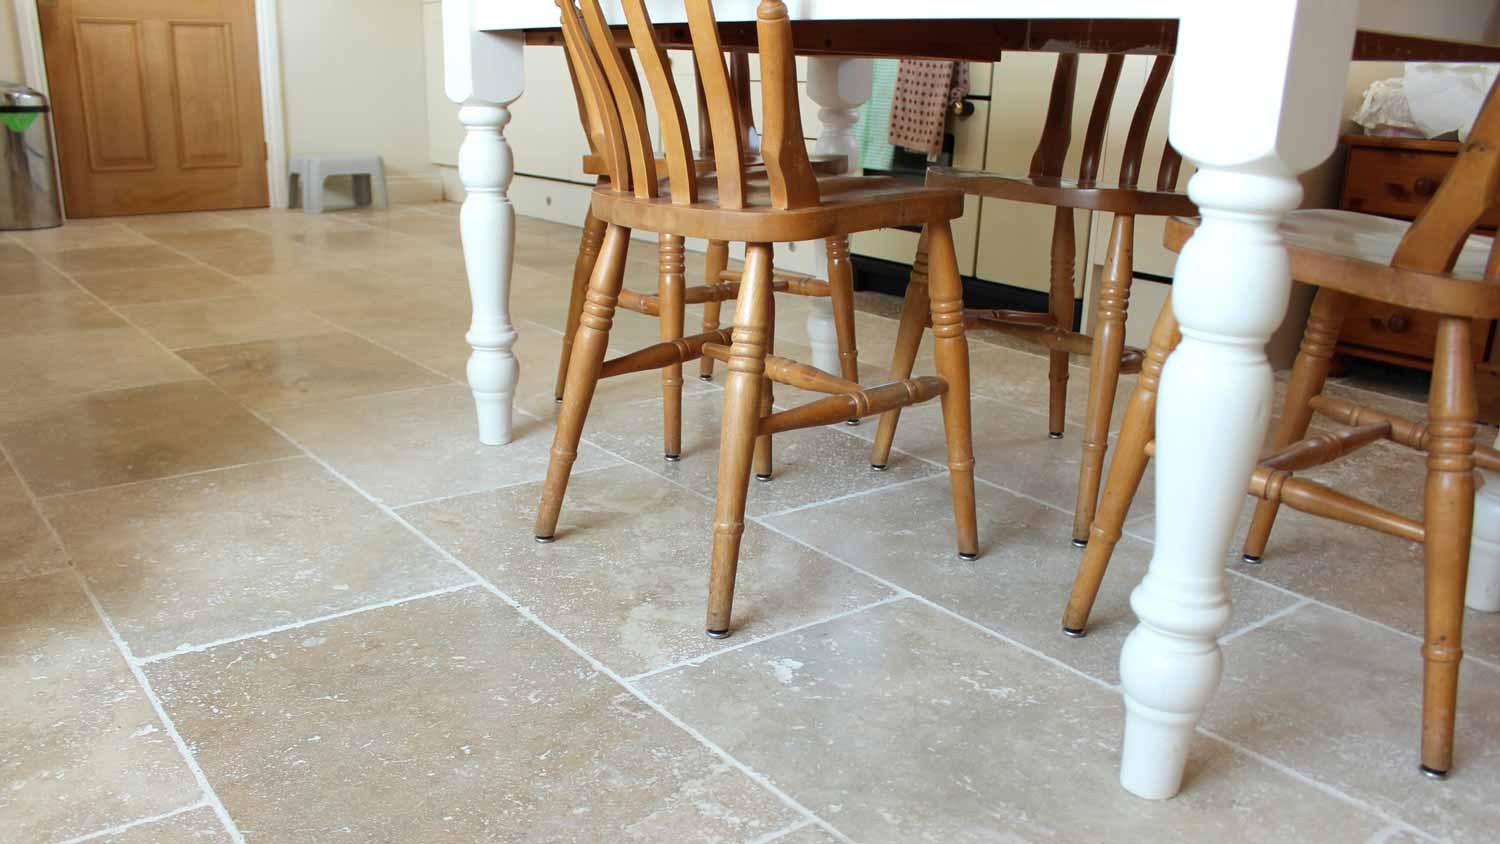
(10, 46)
(353, 76)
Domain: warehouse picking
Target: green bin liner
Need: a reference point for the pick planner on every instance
(18, 121)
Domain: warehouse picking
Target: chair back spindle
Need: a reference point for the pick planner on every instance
(627, 100)
(1442, 228)
(682, 178)
(1140, 126)
(1093, 139)
(782, 145)
(604, 123)
(1057, 131)
(724, 126)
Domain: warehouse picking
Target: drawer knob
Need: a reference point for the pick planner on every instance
(1424, 186)
(1398, 323)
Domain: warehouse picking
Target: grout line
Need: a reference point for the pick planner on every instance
(1263, 621)
(860, 493)
(56, 495)
(116, 830)
(295, 625)
(773, 836)
(907, 593)
(508, 485)
(1316, 784)
(207, 789)
(704, 657)
(532, 617)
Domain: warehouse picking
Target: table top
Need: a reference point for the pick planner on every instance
(962, 29)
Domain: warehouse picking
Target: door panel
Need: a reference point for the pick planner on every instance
(203, 95)
(112, 77)
(157, 104)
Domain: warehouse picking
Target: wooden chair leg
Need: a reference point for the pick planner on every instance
(1126, 469)
(716, 261)
(763, 459)
(1060, 302)
(742, 415)
(952, 353)
(1104, 371)
(583, 268)
(1448, 510)
(841, 297)
(914, 315)
(671, 286)
(583, 375)
(1309, 374)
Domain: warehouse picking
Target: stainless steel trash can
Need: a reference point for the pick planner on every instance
(28, 174)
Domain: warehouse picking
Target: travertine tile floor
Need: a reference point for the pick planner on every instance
(259, 582)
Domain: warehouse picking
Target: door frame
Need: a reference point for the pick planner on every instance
(268, 51)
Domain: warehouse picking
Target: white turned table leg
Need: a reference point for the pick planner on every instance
(1483, 592)
(1229, 294)
(483, 72)
(839, 87)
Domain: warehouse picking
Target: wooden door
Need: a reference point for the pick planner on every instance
(157, 104)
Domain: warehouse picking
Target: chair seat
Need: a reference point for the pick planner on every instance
(1064, 193)
(1351, 252)
(593, 165)
(849, 204)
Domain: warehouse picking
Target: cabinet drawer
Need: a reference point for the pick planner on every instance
(1396, 182)
(1400, 331)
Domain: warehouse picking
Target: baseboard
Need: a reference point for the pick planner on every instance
(891, 277)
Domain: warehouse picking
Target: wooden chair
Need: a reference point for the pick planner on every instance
(720, 283)
(791, 205)
(1044, 185)
(1432, 264)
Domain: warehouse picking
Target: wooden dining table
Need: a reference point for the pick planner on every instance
(1257, 100)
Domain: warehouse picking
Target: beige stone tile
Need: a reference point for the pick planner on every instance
(279, 257)
(15, 253)
(421, 444)
(1020, 380)
(198, 826)
(138, 257)
(78, 234)
(1338, 699)
(1373, 575)
(1019, 585)
(278, 222)
(806, 835)
(449, 719)
(809, 465)
(84, 442)
(313, 367)
(80, 747)
(426, 326)
(1011, 449)
(171, 224)
(191, 560)
(539, 350)
(214, 322)
(68, 363)
(627, 577)
(54, 313)
(32, 277)
(333, 287)
(213, 239)
(901, 724)
(27, 546)
(166, 284)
